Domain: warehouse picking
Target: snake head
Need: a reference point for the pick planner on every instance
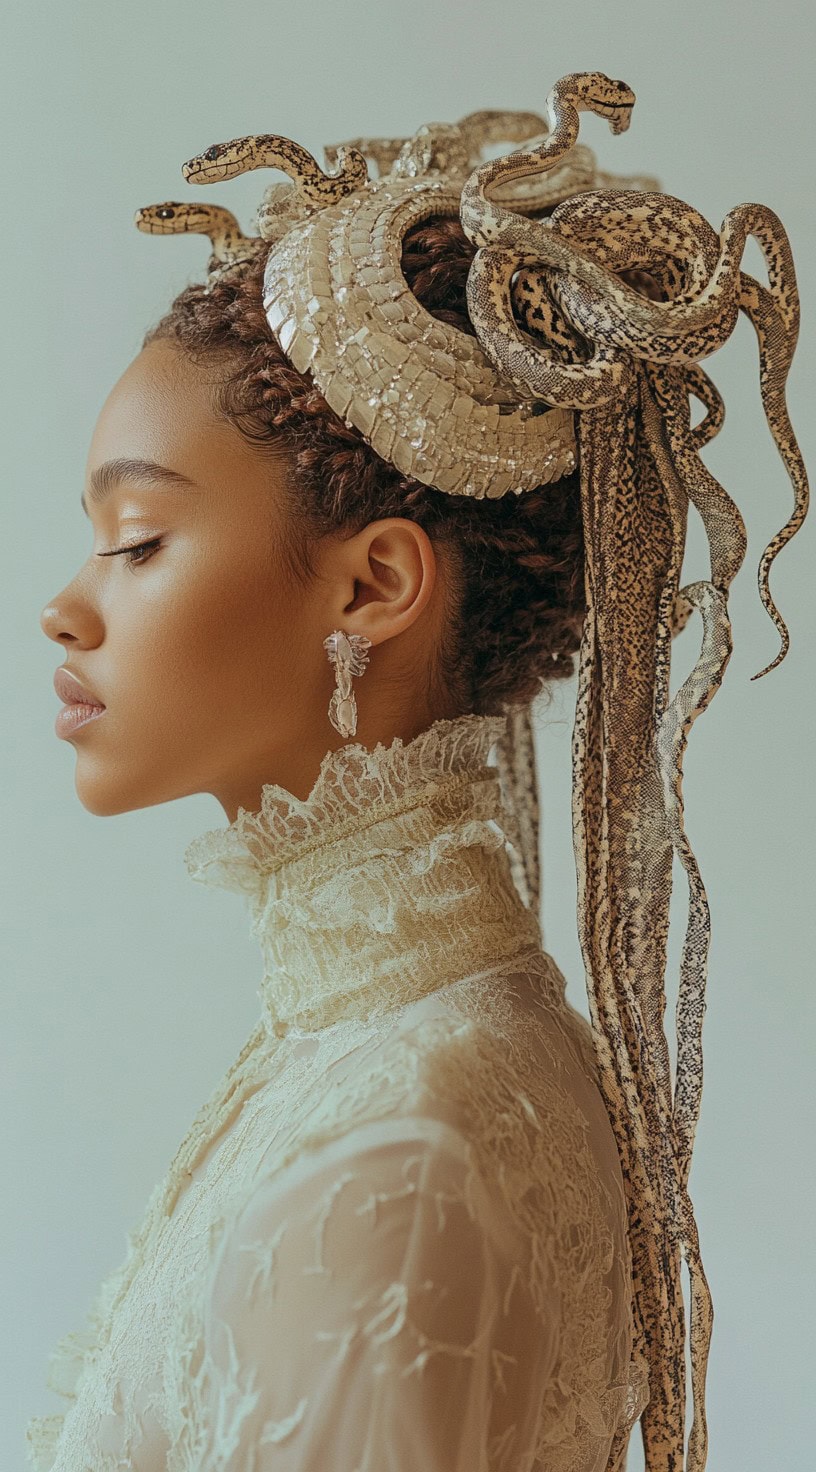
(220, 161)
(174, 218)
(275, 151)
(598, 93)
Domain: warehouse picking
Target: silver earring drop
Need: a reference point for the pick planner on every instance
(348, 654)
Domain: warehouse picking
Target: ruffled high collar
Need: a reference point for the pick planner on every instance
(389, 880)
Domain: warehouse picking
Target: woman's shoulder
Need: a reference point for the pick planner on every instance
(501, 1058)
(508, 1022)
(496, 1064)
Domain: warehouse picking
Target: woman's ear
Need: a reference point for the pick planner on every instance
(386, 576)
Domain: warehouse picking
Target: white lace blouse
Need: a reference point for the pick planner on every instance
(394, 1237)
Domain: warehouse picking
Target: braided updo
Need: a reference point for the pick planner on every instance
(515, 564)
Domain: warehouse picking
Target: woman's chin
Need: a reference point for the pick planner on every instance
(102, 798)
(104, 792)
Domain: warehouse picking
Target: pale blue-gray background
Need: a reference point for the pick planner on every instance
(127, 989)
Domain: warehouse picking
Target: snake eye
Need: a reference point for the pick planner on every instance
(212, 152)
(166, 214)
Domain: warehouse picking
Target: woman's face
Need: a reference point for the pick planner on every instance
(207, 651)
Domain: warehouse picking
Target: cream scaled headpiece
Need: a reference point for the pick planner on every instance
(593, 298)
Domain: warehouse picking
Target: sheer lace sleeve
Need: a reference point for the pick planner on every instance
(366, 1311)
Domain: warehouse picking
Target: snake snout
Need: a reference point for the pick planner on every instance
(219, 161)
(608, 97)
(620, 114)
(149, 216)
(620, 120)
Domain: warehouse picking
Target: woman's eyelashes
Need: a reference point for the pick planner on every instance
(129, 552)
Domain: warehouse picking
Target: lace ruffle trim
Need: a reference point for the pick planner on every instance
(354, 788)
(66, 1365)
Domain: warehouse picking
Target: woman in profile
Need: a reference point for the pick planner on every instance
(431, 1217)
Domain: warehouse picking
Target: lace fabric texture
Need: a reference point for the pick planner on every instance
(395, 1235)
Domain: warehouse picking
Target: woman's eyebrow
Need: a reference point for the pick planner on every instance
(138, 472)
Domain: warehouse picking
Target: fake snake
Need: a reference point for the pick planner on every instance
(642, 368)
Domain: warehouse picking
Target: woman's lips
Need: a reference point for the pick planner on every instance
(74, 715)
(81, 705)
(71, 692)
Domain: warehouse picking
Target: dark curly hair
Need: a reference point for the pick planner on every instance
(515, 564)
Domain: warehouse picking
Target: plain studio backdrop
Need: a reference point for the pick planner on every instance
(128, 989)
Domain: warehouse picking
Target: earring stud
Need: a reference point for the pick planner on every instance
(348, 654)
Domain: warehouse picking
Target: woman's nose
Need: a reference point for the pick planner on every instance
(53, 622)
(68, 618)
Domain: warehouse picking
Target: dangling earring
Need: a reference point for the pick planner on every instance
(347, 652)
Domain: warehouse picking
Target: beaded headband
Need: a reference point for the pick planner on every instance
(592, 298)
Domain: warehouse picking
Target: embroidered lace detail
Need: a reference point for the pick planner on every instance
(355, 789)
(393, 872)
(405, 1192)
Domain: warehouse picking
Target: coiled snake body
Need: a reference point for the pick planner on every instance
(642, 369)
